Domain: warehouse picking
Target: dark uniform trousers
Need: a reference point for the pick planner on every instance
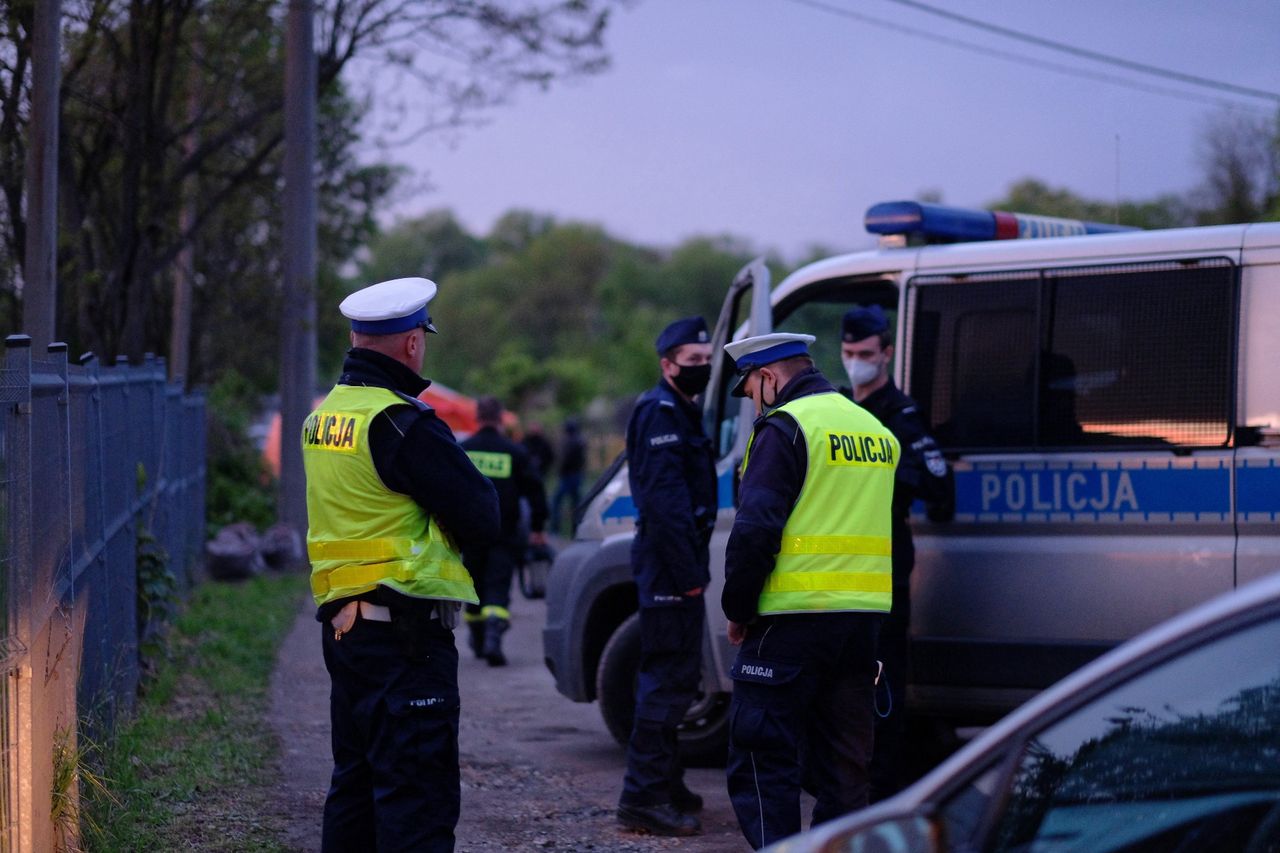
(666, 685)
(394, 713)
(801, 718)
(492, 571)
(887, 771)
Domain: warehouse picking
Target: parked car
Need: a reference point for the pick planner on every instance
(1109, 403)
(1170, 742)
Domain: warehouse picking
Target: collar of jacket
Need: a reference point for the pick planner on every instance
(804, 383)
(881, 399)
(689, 407)
(367, 367)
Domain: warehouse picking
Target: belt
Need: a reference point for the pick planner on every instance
(345, 619)
(374, 612)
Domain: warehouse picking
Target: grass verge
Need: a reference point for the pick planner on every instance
(194, 768)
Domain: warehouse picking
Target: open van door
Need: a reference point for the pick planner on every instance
(746, 306)
(746, 311)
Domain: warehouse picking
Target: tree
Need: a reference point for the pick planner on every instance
(131, 139)
(1241, 159)
(432, 246)
(1033, 196)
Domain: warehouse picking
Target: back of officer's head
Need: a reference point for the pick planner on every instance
(391, 317)
(489, 410)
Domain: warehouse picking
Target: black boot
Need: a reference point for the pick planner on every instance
(684, 800)
(494, 628)
(662, 819)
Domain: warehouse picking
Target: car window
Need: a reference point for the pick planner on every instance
(1183, 757)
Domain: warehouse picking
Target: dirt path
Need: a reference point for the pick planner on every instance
(538, 772)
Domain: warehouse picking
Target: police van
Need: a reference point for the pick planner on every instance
(1108, 399)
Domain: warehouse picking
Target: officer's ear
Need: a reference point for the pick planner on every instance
(888, 351)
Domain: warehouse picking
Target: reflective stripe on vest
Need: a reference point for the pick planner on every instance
(361, 534)
(836, 547)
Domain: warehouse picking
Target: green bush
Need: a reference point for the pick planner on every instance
(239, 486)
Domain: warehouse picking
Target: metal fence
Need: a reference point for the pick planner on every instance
(93, 462)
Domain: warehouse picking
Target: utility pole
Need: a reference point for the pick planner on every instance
(298, 315)
(184, 283)
(40, 263)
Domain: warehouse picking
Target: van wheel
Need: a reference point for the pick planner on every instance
(704, 733)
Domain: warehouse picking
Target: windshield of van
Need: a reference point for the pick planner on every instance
(819, 308)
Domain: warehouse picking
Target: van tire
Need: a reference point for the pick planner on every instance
(704, 734)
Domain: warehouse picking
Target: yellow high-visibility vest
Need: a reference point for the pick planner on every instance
(361, 534)
(837, 543)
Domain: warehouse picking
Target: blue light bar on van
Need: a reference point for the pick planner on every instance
(960, 224)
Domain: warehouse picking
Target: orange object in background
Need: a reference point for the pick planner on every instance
(454, 408)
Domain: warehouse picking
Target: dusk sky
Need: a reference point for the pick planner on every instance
(781, 121)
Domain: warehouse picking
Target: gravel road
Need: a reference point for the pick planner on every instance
(538, 772)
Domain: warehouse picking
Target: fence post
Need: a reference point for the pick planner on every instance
(58, 360)
(21, 800)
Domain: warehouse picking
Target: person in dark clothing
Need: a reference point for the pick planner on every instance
(573, 461)
(672, 474)
(866, 350)
(540, 451)
(391, 498)
(807, 584)
(514, 476)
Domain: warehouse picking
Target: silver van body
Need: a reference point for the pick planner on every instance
(1110, 405)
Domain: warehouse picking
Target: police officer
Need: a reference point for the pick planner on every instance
(673, 483)
(807, 584)
(866, 350)
(391, 498)
(514, 476)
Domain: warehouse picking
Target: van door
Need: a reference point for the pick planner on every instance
(1257, 465)
(728, 421)
(1088, 412)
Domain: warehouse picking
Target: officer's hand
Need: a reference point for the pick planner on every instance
(737, 633)
(691, 593)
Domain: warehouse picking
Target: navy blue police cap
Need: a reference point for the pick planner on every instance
(861, 323)
(389, 307)
(688, 330)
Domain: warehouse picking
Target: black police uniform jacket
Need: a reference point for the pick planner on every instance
(673, 483)
(523, 482)
(415, 454)
(922, 471)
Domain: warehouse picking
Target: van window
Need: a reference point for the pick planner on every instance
(1125, 355)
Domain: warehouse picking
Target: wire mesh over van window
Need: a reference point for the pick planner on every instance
(1124, 355)
(973, 361)
(1144, 353)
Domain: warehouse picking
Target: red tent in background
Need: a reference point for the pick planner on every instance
(454, 408)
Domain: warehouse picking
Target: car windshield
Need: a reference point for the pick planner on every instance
(1185, 754)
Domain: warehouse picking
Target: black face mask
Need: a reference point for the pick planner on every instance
(692, 379)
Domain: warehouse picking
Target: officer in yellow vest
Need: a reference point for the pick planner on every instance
(808, 580)
(391, 502)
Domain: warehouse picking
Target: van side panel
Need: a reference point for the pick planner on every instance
(1257, 469)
